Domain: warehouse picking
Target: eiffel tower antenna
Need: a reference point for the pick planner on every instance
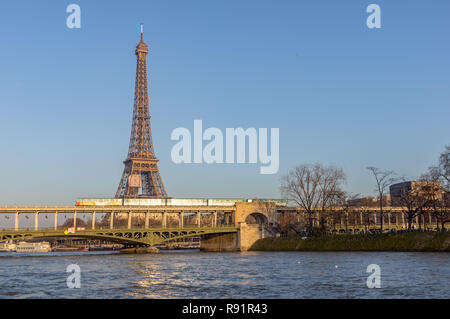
(141, 178)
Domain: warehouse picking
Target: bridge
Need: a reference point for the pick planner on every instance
(133, 236)
(365, 219)
(221, 228)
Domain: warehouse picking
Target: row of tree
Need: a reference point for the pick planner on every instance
(317, 187)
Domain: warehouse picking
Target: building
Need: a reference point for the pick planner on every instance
(447, 199)
(413, 187)
(369, 201)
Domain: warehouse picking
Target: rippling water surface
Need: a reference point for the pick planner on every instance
(193, 274)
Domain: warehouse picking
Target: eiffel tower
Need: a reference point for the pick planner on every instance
(141, 178)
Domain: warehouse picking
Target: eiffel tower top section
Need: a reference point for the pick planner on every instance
(142, 47)
(141, 144)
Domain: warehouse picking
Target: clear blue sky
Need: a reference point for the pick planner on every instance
(339, 92)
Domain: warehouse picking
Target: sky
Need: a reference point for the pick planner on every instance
(339, 92)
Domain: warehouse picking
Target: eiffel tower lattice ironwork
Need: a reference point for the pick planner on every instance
(141, 178)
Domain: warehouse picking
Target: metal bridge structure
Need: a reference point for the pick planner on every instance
(204, 220)
(133, 237)
(242, 224)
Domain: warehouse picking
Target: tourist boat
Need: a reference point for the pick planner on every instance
(7, 247)
(42, 247)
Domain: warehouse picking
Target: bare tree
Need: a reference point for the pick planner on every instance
(311, 186)
(435, 200)
(288, 221)
(383, 180)
(344, 200)
(416, 198)
(330, 189)
(439, 210)
(441, 172)
(301, 185)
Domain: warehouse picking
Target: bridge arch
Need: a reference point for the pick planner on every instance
(251, 213)
(256, 218)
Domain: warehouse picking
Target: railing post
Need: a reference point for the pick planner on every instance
(129, 220)
(111, 220)
(147, 219)
(93, 220)
(36, 220)
(56, 221)
(16, 222)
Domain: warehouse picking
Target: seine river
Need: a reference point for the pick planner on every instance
(193, 274)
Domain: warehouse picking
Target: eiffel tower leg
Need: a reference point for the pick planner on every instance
(122, 185)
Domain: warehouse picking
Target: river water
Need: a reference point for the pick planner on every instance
(194, 274)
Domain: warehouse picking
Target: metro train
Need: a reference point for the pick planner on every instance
(170, 201)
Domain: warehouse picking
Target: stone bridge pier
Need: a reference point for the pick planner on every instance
(253, 221)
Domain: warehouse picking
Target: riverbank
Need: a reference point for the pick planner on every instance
(415, 241)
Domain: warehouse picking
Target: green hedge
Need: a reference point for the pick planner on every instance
(414, 241)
